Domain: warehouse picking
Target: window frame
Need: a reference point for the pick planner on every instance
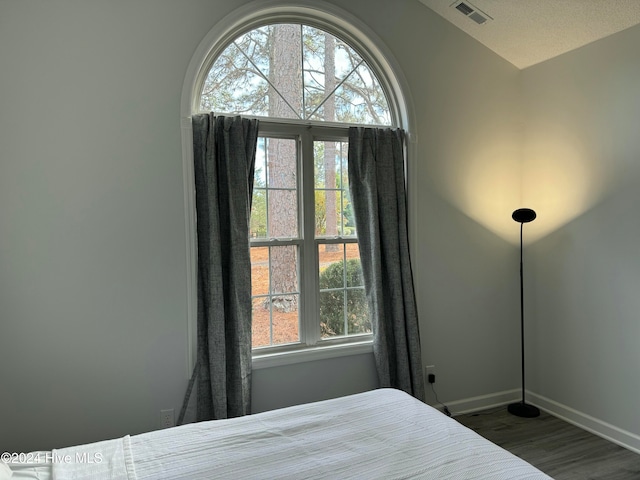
(342, 24)
(309, 267)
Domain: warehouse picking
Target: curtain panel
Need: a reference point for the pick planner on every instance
(377, 187)
(224, 153)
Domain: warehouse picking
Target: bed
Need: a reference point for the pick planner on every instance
(381, 434)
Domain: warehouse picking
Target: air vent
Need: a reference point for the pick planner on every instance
(471, 11)
(464, 8)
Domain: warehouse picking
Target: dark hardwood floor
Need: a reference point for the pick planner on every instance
(559, 449)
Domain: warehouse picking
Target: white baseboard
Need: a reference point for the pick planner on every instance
(482, 402)
(614, 434)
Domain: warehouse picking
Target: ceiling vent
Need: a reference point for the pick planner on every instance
(471, 11)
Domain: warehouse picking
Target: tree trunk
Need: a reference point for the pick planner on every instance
(286, 77)
(330, 147)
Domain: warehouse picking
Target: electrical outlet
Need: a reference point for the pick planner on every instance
(429, 370)
(167, 418)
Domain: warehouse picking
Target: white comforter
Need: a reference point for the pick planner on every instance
(384, 434)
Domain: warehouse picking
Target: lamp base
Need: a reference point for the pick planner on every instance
(522, 409)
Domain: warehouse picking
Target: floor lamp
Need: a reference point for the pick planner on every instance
(523, 409)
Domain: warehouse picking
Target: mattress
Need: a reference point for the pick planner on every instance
(381, 434)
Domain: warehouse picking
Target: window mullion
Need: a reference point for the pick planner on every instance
(309, 321)
(304, 109)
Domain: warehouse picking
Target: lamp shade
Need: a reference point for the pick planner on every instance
(524, 215)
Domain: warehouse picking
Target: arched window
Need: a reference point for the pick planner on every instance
(295, 71)
(307, 75)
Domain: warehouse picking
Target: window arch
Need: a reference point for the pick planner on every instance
(233, 72)
(316, 14)
(294, 71)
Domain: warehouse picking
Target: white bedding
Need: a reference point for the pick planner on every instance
(383, 434)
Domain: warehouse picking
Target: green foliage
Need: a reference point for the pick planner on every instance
(321, 214)
(334, 309)
(349, 218)
(258, 225)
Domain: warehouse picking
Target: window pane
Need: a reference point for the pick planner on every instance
(283, 216)
(320, 73)
(333, 210)
(332, 313)
(259, 270)
(261, 166)
(281, 158)
(354, 266)
(320, 166)
(285, 322)
(284, 270)
(271, 326)
(328, 222)
(281, 194)
(331, 257)
(274, 280)
(361, 99)
(235, 83)
(358, 319)
(258, 224)
(347, 220)
(260, 322)
(343, 305)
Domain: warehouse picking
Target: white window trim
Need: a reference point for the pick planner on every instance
(329, 18)
(309, 354)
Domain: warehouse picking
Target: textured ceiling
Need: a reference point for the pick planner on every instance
(526, 32)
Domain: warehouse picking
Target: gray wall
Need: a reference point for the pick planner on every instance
(277, 387)
(92, 250)
(582, 170)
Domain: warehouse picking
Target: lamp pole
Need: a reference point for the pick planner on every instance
(523, 409)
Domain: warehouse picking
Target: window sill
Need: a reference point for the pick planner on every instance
(267, 360)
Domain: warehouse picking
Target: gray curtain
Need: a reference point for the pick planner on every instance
(377, 186)
(224, 152)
